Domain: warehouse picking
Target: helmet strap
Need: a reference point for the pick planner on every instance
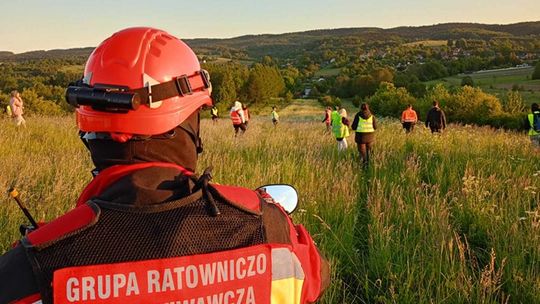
(194, 132)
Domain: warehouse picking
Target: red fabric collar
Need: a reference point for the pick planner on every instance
(110, 175)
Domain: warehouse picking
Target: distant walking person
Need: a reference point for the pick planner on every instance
(436, 120)
(214, 113)
(409, 119)
(340, 128)
(247, 117)
(533, 125)
(237, 117)
(365, 125)
(17, 107)
(275, 116)
(327, 118)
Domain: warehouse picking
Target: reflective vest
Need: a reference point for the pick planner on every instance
(338, 128)
(532, 132)
(409, 116)
(365, 125)
(235, 117)
(252, 271)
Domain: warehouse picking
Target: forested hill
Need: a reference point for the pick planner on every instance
(254, 46)
(439, 31)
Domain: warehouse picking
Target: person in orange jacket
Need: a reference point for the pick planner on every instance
(238, 118)
(409, 119)
(147, 229)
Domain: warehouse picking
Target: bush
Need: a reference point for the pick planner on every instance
(467, 81)
(356, 101)
(329, 101)
(390, 101)
(536, 73)
(508, 121)
(472, 105)
(34, 104)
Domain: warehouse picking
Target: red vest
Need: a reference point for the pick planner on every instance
(235, 117)
(285, 273)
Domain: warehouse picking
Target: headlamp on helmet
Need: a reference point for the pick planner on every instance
(110, 98)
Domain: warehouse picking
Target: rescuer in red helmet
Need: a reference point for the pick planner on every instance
(146, 229)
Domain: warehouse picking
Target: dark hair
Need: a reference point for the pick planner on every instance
(535, 107)
(435, 103)
(409, 106)
(364, 107)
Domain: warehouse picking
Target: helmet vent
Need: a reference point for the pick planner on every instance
(160, 40)
(155, 51)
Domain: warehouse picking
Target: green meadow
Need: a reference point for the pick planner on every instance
(450, 218)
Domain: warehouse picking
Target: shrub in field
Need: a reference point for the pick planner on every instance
(35, 104)
(467, 81)
(389, 100)
(437, 93)
(329, 101)
(509, 121)
(536, 73)
(472, 105)
(513, 103)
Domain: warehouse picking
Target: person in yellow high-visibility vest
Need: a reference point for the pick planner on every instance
(214, 113)
(340, 128)
(365, 125)
(533, 125)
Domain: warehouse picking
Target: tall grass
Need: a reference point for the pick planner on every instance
(450, 218)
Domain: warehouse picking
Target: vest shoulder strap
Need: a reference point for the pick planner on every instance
(68, 224)
(243, 198)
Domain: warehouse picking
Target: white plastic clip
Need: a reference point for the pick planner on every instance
(149, 82)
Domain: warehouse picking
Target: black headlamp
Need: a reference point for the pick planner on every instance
(102, 98)
(111, 98)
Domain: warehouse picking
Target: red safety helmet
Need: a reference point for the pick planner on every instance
(139, 81)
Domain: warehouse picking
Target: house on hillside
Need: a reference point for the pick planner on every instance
(306, 92)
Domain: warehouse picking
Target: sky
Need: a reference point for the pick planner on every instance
(27, 25)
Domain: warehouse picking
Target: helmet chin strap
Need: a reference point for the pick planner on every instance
(194, 134)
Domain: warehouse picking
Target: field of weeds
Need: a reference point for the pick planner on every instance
(451, 218)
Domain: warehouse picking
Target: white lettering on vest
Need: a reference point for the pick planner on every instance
(119, 281)
(250, 298)
(240, 295)
(208, 273)
(132, 285)
(153, 281)
(251, 269)
(240, 272)
(192, 278)
(223, 274)
(88, 292)
(72, 290)
(168, 283)
(104, 287)
(261, 263)
(215, 299)
(229, 295)
(178, 271)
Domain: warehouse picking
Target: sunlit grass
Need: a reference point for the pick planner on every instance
(450, 218)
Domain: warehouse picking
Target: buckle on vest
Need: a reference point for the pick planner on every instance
(182, 85)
